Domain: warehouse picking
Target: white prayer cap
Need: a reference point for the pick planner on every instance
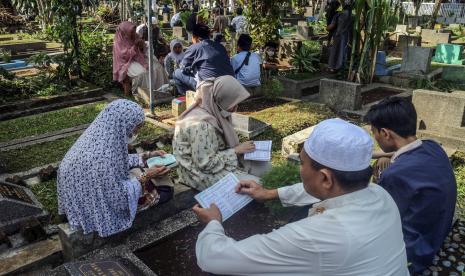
(340, 145)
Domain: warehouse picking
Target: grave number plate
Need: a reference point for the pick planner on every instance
(104, 268)
(16, 193)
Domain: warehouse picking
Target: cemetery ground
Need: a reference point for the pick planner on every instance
(42, 115)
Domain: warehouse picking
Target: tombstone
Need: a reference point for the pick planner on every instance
(304, 32)
(287, 47)
(418, 30)
(428, 35)
(340, 95)
(178, 106)
(433, 37)
(109, 267)
(308, 12)
(407, 41)
(294, 143)
(440, 117)
(180, 33)
(17, 206)
(143, 96)
(449, 54)
(455, 74)
(413, 21)
(401, 29)
(416, 60)
(247, 126)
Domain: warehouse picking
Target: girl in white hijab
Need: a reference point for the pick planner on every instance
(174, 58)
(205, 143)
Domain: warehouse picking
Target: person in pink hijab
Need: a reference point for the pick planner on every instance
(129, 60)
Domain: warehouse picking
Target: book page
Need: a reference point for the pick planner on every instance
(262, 151)
(224, 195)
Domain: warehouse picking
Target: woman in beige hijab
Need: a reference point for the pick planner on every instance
(205, 143)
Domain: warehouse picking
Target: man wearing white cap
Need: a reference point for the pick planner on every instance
(353, 228)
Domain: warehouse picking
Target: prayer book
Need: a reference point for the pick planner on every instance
(262, 151)
(166, 160)
(223, 194)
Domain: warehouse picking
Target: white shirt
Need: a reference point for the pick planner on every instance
(249, 75)
(140, 30)
(239, 23)
(356, 234)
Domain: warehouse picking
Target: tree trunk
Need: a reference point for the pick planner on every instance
(417, 5)
(437, 8)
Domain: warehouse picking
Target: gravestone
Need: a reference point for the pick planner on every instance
(308, 11)
(418, 30)
(455, 74)
(178, 106)
(180, 33)
(413, 21)
(143, 96)
(17, 206)
(404, 41)
(401, 29)
(449, 54)
(109, 267)
(294, 143)
(247, 126)
(433, 37)
(416, 60)
(340, 95)
(440, 116)
(304, 32)
(287, 47)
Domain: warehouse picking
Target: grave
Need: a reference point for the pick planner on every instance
(449, 54)
(17, 47)
(308, 11)
(109, 267)
(340, 95)
(304, 31)
(433, 37)
(14, 64)
(297, 89)
(405, 41)
(287, 47)
(416, 60)
(180, 33)
(455, 74)
(440, 116)
(143, 96)
(247, 126)
(178, 106)
(402, 29)
(293, 144)
(413, 21)
(17, 206)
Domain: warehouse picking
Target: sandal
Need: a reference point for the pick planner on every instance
(158, 195)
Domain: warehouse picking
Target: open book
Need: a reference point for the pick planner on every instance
(262, 151)
(223, 194)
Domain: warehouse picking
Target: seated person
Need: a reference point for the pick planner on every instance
(246, 64)
(239, 22)
(128, 56)
(95, 189)
(353, 227)
(270, 62)
(205, 143)
(202, 60)
(174, 58)
(419, 178)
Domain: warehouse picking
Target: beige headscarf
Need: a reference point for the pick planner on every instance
(214, 97)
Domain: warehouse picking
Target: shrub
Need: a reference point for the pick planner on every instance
(306, 58)
(273, 88)
(5, 55)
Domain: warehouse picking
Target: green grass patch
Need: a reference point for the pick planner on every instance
(21, 41)
(150, 131)
(33, 156)
(50, 121)
(288, 119)
(303, 76)
(458, 164)
(46, 193)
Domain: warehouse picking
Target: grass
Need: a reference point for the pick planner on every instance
(302, 76)
(150, 131)
(458, 164)
(46, 193)
(21, 41)
(23, 159)
(50, 121)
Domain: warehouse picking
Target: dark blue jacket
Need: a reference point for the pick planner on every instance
(422, 184)
(207, 58)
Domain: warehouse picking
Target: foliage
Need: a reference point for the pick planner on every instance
(26, 158)
(306, 58)
(50, 121)
(5, 55)
(46, 193)
(283, 174)
(184, 16)
(41, 60)
(42, 9)
(263, 20)
(107, 14)
(203, 15)
(458, 163)
(273, 88)
(5, 74)
(319, 27)
(371, 21)
(24, 88)
(149, 131)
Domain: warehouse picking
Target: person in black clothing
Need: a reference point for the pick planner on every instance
(331, 12)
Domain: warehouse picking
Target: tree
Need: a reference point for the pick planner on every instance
(40, 8)
(417, 6)
(434, 15)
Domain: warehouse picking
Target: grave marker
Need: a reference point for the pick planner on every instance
(180, 33)
(109, 267)
(17, 205)
(449, 54)
(401, 29)
(340, 95)
(304, 32)
(247, 126)
(407, 41)
(433, 37)
(416, 60)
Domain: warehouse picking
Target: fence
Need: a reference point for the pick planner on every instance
(447, 9)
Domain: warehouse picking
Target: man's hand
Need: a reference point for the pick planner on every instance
(205, 215)
(255, 190)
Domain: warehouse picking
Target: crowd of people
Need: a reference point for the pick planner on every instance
(353, 227)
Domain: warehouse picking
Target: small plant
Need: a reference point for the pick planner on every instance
(273, 88)
(41, 60)
(5, 55)
(107, 14)
(305, 59)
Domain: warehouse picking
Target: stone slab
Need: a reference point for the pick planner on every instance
(416, 60)
(247, 126)
(295, 88)
(340, 95)
(293, 144)
(109, 267)
(441, 115)
(143, 96)
(404, 41)
(434, 37)
(17, 205)
(449, 54)
(304, 32)
(178, 106)
(180, 33)
(454, 74)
